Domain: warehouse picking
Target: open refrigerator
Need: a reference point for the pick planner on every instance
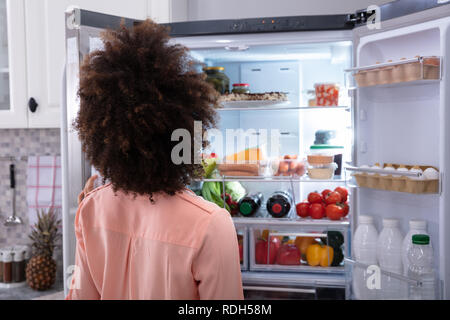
(392, 109)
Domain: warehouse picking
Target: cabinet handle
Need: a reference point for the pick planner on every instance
(32, 104)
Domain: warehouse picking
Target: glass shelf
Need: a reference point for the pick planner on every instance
(270, 179)
(263, 108)
(241, 221)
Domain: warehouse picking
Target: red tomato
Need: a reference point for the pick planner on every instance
(326, 192)
(343, 192)
(316, 211)
(265, 254)
(315, 197)
(334, 212)
(333, 198)
(303, 209)
(288, 254)
(346, 208)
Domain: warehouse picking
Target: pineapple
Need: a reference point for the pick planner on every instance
(41, 269)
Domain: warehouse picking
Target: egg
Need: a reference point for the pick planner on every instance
(388, 168)
(376, 166)
(431, 174)
(416, 169)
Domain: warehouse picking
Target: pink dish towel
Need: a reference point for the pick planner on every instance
(44, 189)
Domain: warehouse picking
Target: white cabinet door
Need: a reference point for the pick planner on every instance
(13, 84)
(45, 27)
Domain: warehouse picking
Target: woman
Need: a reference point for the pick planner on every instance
(144, 235)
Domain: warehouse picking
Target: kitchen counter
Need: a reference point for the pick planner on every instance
(26, 293)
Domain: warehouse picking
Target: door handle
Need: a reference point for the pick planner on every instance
(32, 105)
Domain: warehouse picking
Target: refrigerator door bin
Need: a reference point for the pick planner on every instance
(373, 283)
(405, 71)
(399, 181)
(297, 248)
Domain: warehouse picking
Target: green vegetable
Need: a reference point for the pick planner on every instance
(235, 190)
(211, 191)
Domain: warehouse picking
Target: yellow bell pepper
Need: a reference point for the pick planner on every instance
(319, 255)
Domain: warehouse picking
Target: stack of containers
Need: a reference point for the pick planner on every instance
(325, 161)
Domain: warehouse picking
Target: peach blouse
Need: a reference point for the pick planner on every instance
(179, 247)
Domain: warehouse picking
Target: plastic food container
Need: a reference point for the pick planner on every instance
(297, 248)
(291, 167)
(327, 94)
(326, 154)
(241, 88)
(322, 172)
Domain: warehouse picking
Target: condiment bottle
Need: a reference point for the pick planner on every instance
(18, 265)
(7, 266)
(279, 204)
(250, 204)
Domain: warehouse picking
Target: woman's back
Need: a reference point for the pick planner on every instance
(179, 247)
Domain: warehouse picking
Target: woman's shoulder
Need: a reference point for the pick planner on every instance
(190, 199)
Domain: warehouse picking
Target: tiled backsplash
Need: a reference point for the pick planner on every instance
(21, 143)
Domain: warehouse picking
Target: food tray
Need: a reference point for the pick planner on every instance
(397, 183)
(406, 70)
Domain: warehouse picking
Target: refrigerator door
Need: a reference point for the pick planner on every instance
(401, 107)
(83, 30)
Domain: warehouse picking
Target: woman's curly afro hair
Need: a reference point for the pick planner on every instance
(133, 94)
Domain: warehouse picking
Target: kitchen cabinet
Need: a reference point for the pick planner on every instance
(46, 50)
(36, 50)
(13, 97)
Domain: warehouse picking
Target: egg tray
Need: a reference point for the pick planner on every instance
(412, 71)
(397, 183)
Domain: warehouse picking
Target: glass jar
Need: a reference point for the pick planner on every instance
(241, 88)
(217, 77)
(7, 265)
(18, 265)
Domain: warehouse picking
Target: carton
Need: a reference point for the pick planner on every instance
(398, 183)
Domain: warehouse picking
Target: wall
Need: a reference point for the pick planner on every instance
(18, 143)
(235, 9)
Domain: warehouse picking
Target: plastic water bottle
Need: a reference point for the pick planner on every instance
(420, 257)
(415, 227)
(364, 251)
(389, 253)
